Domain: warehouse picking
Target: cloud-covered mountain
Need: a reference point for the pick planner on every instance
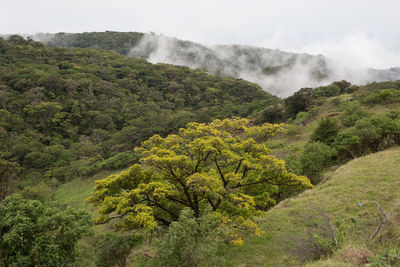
(278, 72)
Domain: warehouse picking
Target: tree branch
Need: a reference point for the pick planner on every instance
(111, 218)
(157, 204)
(201, 160)
(220, 171)
(185, 188)
(177, 200)
(162, 220)
(238, 166)
(383, 220)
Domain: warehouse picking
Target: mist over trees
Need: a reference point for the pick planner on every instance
(186, 162)
(278, 72)
(69, 112)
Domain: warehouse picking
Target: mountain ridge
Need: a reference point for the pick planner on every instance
(278, 72)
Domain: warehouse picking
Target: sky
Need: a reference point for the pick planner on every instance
(359, 33)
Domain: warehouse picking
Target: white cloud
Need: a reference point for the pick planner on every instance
(312, 26)
(355, 50)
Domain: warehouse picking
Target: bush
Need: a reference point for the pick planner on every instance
(326, 131)
(323, 236)
(385, 96)
(327, 91)
(352, 113)
(302, 118)
(41, 191)
(121, 160)
(192, 242)
(347, 144)
(36, 234)
(272, 114)
(114, 249)
(352, 89)
(387, 259)
(316, 158)
(299, 101)
(369, 135)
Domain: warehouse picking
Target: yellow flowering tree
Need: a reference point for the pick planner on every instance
(223, 166)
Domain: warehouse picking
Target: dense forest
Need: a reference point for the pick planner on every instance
(278, 72)
(186, 164)
(70, 112)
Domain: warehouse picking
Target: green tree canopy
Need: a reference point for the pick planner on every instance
(9, 172)
(223, 165)
(34, 234)
(326, 131)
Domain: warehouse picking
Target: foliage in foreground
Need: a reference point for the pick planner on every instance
(192, 241)
(113, 249)
(222, 165)
(35, 234)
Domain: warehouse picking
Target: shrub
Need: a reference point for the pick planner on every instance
(355, 254)
(385, 96)
(192, 242)
(389, 258)
(351, 89)
(369, 135)
(36, 234)
(352, 113)
(302, 118)
(343, 85)
(114, 249)
(326, 131)
(327, 91)
(323, 236)
(316, 158)
(272, 114)
(41, 191)
(299, 101)
(347, 144)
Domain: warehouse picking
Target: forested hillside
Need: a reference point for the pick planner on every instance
(278, 72)
(329, 126)
(69, 112)
(189, 166)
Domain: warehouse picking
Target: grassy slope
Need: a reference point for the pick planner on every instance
(372, 178)
(74, 193)
(364, 180)
(361, 181)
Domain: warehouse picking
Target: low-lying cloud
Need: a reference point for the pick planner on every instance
(280, 73)
(355, 50)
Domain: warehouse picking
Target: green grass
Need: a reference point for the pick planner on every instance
(74, 194)
(372, 178)
(76, 191)
(351, 192)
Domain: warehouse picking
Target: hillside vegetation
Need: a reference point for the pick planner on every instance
(347, 199)
(69, 112)
(278, 72)
(195, 169)
(298, 230)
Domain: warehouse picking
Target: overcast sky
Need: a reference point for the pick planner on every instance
(362, 33)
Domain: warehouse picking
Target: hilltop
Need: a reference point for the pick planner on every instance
(278, 72)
